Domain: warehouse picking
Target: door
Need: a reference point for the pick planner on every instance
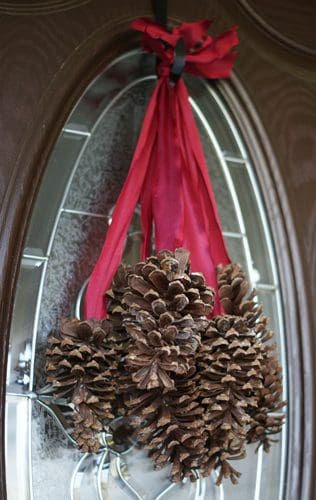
(57, 59)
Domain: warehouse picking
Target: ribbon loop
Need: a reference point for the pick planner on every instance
(168, 173)
(204, 55)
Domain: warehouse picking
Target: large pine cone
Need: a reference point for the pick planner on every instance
(164, 312)
(264, 423)
(165, 309)
(228, 364)
(240, 379)
(81, 365)
(233, 288)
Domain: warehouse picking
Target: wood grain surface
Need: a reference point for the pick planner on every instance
(46, 61)
(35, 7)
(293, 22)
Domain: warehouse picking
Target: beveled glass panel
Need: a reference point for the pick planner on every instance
(204, 93)
(84, 481)
(236, 250)
(221, 189)
(49, 199)
(54, 458)
(105, 88)
(269, 301)
(17, 440)
(247, 482)
(270, 484)
(139, 473)
(104, 164)
(20, 351)
(253, 222)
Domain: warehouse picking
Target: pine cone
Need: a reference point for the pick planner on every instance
(173, 430)
(115, 308)
(263, 422)
(228, 364)
(81, 366)
(165, 312)
(232, 287)
(165, 308)
(240, 377)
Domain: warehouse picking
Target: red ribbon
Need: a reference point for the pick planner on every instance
(168, 173)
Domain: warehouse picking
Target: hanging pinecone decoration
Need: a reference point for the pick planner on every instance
(82, 362)
(165, 309)
(197, 389)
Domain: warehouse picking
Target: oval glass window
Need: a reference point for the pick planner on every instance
(73, 210)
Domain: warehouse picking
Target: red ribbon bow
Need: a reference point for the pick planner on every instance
(205, 56)
(168, 173)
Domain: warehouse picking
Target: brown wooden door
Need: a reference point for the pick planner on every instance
(50, 52)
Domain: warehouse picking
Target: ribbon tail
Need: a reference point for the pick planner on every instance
(204, 237)
(112, 251)
(167, 181)
(147, 208)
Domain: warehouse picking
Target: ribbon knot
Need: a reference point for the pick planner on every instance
(204, 56)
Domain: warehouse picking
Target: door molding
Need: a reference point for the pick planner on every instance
(301, 373)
